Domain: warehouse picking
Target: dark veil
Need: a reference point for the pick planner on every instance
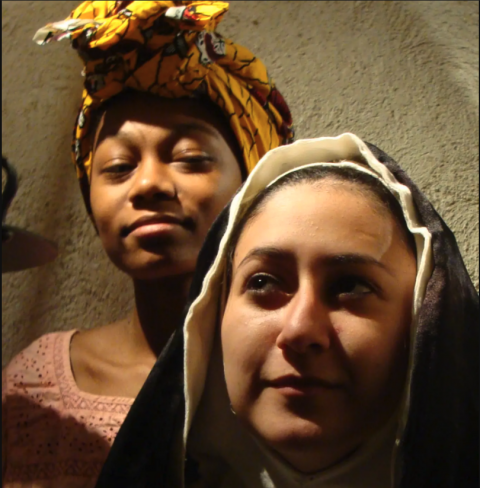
(440, 443)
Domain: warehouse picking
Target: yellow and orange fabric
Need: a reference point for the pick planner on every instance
(170, 49)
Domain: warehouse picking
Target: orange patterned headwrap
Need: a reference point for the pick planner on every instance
(170, 49)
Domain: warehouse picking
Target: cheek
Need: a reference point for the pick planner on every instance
(104, 210)
(375, 353)
(209, 196)
(246, 343)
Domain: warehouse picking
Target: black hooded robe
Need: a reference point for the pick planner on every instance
(439, 442)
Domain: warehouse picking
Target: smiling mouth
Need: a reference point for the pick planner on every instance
(152, 226)
(295, 385)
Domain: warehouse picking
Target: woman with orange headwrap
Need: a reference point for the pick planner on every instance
(173, 117)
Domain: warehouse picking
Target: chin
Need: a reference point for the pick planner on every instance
(301, 434)
(288, 432)
(156, 266)
(306, 446)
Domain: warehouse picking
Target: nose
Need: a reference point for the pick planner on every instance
(153, 181)
(306, 323)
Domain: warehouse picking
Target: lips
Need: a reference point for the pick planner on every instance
(302, 383)
(152, 223)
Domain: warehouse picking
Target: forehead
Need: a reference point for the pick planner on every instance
(155, 111)
(326, 217)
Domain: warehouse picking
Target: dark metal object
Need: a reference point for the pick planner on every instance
(21, 249)
(10, 189)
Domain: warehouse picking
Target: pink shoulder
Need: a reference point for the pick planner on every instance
(34, 367)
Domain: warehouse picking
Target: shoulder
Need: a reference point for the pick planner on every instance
(94, 355)
(36, 366)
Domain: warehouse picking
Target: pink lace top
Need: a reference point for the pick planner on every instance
(54, 435)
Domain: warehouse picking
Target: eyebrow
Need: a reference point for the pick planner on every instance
(268, 252)
(354, 259)
(332, 260)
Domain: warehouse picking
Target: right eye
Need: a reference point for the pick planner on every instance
(266, 291)
(263, 284)
(118, 169)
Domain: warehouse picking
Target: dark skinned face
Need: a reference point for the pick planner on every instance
(162, 171)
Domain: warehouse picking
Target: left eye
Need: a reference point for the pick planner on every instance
(193, 164)
(352, 286)
(194, 160)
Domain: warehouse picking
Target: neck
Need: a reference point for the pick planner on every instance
(310, 463)
(159, 307)
(375, 445)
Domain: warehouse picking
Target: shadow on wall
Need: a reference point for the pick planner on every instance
(398, 74)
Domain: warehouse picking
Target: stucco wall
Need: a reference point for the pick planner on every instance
(403, 75)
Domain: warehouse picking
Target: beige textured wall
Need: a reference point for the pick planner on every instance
(403, 75)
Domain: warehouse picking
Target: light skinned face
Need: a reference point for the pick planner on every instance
(316, 322)
(162, 171)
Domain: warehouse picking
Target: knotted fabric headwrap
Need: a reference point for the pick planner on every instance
(169, 49)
